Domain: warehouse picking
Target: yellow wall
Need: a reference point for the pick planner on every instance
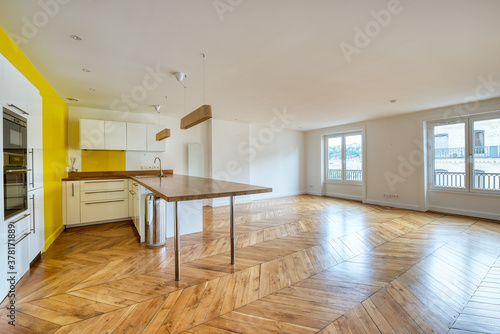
(96, 161)
(55, 138)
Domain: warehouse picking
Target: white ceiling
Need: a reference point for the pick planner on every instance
(263, 55)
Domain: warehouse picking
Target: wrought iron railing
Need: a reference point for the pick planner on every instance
(449, 179)
(449, 153)
(487, 181)
(350, 174)
(459, 152)
(482, 181)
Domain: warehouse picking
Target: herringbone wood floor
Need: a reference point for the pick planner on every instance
(305, 264)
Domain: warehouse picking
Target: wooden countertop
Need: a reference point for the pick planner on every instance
(79, 176)
(176, 188)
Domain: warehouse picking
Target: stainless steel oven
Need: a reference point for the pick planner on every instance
(15, 160)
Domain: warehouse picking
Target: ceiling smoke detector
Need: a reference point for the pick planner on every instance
(179, 76)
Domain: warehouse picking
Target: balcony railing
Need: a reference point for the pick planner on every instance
(350, 174)
(459, 152)
(482, 181)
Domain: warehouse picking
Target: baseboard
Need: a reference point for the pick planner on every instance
(216, 202)
(351, 197)
(224, 201)
(468, 213)
(396, 205)
(314, 193)
(50, 240)
(276, 195)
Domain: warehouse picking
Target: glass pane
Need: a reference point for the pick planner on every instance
(486, 145)
(449, 156)
(353, 155)
(335, 158)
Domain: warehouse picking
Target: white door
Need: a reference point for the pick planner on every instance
(115, 135)
(136, 137)
(37, 226)
(91, 134)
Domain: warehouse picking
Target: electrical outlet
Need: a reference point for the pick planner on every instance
(392, 196)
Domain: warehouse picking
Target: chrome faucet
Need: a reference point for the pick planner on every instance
(161, 172)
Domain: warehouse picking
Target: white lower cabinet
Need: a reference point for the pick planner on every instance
(37, 226)
(104, 210)
(92, 201)
(71, 203)
(17, 247)
(22, 259)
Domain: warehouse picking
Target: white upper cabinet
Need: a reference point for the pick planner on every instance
(2, 61)
(15, 92)
(91, 134)
(108, 135)
(34, 108)
(35, 138)
(153, 144)
(136, 137)
(115, 135)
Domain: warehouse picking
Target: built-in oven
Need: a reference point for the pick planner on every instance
(15, 161)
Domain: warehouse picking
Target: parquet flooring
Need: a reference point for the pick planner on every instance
(305, 264)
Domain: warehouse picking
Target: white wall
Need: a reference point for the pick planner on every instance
(230, 163)
(257, 155)
(395, 155)
(278, 161)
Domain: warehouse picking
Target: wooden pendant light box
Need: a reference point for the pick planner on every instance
(201, 114)
(163, 134)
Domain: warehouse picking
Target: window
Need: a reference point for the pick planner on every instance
(465, 155)
(344, 157)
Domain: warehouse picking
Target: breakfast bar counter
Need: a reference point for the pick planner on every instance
(178, 188)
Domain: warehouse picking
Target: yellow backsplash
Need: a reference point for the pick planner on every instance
(103, 161)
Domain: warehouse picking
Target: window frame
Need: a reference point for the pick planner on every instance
(342, 135)
(469, 133)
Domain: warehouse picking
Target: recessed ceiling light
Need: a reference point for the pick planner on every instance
(85, 70)
(76, 38)
(394, 101)
(72, 99)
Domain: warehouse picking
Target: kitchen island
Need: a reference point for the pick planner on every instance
(178, 188)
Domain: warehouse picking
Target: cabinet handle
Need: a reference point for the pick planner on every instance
(24, 237)
(103, 181)
(14, 106)
(26, 215)
(121, 200)
(33, 214)
(17, 170)
(32, 168)
(72, 190)
(104, 191)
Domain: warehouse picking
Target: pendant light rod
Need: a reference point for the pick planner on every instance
(165, 133)
(204, 81)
